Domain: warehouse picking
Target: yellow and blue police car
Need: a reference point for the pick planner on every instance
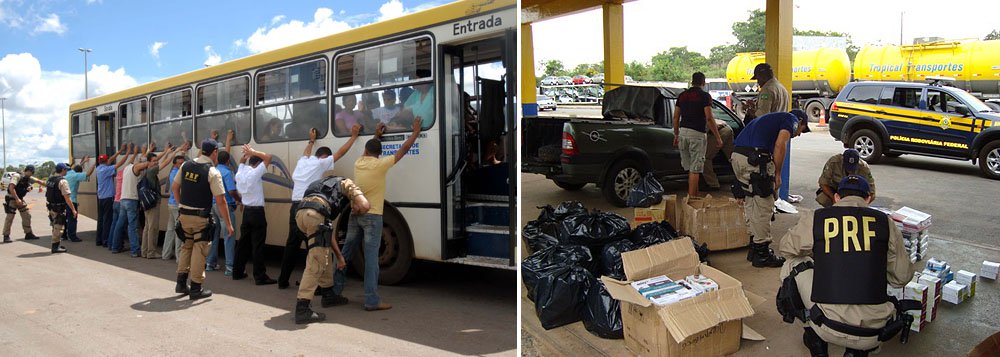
(930, 119)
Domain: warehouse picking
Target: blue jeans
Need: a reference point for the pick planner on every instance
(129, 211)
(370, 225)
(116, 214)
(70, 232)
(219, 233)
(105, 216)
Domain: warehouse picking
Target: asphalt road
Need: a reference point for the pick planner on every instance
(89, 302)
(964, 233)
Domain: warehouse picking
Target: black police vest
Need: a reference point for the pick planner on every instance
(23, 186)
(329, 189)
(850, 247)
(52, 192)
(195, 189)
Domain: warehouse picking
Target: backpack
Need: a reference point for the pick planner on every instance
(149, 197)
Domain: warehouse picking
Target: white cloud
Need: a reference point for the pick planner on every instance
(90, 2)
(391, 9)
(295, 31)
(38, 104)
(154, 49)
(212, 57)
(277, 19)
(51, 23)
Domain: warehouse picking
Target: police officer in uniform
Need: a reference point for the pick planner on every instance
(194, 186)
(711, 180)
(58, 202)
(757, 160)
(838, 167)
(323, 201)
(771, 97)
(840, 259)
(14, 203)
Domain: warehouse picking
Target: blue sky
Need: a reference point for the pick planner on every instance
(134, 42)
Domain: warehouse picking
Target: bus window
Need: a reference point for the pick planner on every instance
(370, 91)
(171, 118)
(132, 125)
(225, 106)
(290, 101)
(83, 135)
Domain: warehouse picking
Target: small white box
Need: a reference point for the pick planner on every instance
(933, 284)
(968, 279)
(915, 291)
(989, 270)
(894, 292)
(954, 292)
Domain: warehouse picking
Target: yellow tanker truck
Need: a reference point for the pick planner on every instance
(818, 75)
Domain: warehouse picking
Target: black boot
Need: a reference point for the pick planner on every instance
(56, 248)
(198, 293)
(30, 236)
(304, 315)
(182, 284)
(817, 347)
(750, 250)
(6, 239)
(855, 353)
(330, 298)
(763, 256)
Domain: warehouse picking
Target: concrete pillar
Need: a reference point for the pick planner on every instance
(614, 44)
(529, 106)
(778, 53)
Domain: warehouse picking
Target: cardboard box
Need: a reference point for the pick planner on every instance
(954, 292)
(968, 279)
(989, 270)
(705, 325)
(654, 213)
(912, 220)
(719, 222)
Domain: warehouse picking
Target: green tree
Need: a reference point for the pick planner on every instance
(718, 60)
(676, 64)
(750, 33)
(45, 169)
(995, 35)
(554, 68)
(637, 70)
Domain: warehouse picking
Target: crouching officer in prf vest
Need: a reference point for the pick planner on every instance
(840, 259)
(323, 201)
(757, 162)
(57, 201)
(194, 186)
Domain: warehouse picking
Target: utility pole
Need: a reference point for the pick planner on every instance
(86, 92)
(901, 27)
(3, 121)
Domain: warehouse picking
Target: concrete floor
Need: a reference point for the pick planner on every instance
(964, 233)
(89, 302)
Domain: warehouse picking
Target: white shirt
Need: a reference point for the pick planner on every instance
(129, 184)
(308, 170)
(249, 185)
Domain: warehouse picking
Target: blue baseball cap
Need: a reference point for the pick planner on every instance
(851, 160)
(854, 183)
(803, 119)
(209, 146)
(60, 167)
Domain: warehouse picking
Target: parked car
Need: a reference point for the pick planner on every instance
(634, 137)
(628, 79)
(895, 118)
(550, 81)
(565, 81)
(545, 103)
(581, 79)
(597, 78)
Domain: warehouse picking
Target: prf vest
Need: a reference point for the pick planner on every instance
(52, 193)
(329, 189)
(23, 186)
(195, 189)
(850, 246)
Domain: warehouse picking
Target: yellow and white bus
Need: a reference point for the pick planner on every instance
(450, 200)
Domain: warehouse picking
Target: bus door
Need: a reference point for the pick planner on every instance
(477, 173)
(106, 134)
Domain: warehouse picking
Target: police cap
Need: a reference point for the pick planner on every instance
(762, 68)
(851, 160)
(60, 167)
(853, 184)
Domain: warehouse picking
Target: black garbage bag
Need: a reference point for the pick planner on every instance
(561, 297)
(701, 249)
(568, 209)
(593, 229)
(540, 234)
(547, 214)
(602, 314)
(611, 258)
(652, 233)
(646, 192)
(548, 261)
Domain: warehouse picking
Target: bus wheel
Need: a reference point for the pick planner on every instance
(395, 253)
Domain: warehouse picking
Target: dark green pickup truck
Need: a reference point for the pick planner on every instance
(634, 136)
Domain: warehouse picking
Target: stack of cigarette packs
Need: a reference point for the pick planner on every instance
(661, 290)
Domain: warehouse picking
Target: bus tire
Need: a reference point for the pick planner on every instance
(989, 160)
(395, 250)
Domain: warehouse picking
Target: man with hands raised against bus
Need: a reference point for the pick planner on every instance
(308, 169)
(369, 172)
